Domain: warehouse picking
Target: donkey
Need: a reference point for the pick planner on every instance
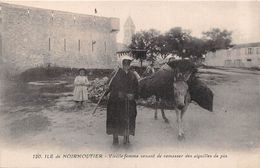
(179, 102)
(177, 96)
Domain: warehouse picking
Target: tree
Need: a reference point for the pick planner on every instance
(195, 48)
(217, 39)
(180, 42)
(176, 40)
(147, 40)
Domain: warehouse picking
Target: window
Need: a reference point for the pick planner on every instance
(52, 16)
(238, 63)
(250, 51)
(228, 53)
(238, 52)
(0, 46)
(93, 43)
(248, 60)
(228, 62)
(105, 45)
(65, 45)
(258, 50)
(28, 12)
(49, 44)
(79, 45)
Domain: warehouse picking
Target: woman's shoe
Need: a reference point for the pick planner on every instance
(126, 140)
(115, 140)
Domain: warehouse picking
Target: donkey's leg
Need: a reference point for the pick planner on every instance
(179, 122)
(183, 110)
(155, 113)
(157, 101)
(182, 114)
(163, 115)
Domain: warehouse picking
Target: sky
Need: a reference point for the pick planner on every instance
(241, 17)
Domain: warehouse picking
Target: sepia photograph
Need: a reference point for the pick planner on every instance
(129, 84)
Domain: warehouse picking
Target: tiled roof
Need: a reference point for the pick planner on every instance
(247, 45)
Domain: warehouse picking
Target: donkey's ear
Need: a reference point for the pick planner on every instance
(177, 70)
(174, 78)
(186, 76)
(176, 74)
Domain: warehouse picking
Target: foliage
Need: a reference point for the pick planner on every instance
(195, 48)
(146, 40)
(217, 39)
(178, 41)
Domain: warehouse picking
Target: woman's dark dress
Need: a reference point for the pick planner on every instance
(117, 116)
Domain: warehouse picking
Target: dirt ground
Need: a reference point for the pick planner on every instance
(233, 126)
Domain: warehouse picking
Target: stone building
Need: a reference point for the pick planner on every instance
(129, 31)
(32, 37)
(1, 58)
(241, 55)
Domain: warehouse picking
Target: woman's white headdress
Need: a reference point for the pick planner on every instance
(125, 57)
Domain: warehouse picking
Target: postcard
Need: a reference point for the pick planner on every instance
(129, 84)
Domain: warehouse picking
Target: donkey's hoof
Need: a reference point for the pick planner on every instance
(181, 137)
(166, 121)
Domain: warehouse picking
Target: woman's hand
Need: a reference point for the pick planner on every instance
(130, 96)
(121, 95)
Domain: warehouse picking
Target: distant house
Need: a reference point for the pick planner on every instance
(241, 55)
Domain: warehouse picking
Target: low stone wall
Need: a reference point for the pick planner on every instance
(45, 73)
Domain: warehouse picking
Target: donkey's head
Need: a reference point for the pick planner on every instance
(180, 87)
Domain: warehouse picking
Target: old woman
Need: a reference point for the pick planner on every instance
(121, 107)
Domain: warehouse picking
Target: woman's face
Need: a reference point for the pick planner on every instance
(126, 64)
(171, 59)
(81, 72)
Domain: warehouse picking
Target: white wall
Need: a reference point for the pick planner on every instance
(236, 57)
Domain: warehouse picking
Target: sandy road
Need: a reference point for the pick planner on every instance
(233, 126)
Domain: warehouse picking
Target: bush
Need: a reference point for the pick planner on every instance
(139, 70)
(254, 68)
